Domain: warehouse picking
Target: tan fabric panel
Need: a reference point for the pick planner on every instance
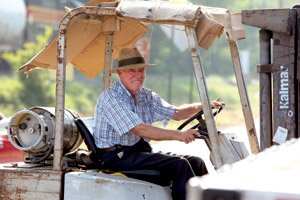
(86, 44)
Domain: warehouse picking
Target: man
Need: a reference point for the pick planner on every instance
(123, 116)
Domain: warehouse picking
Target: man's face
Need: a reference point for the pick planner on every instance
(132, 79)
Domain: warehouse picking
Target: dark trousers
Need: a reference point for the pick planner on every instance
(173, 168)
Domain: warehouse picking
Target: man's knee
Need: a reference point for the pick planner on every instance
(198, 166)
(196, 161)
(184, 164)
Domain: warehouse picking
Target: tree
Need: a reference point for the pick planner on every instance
(37, 89)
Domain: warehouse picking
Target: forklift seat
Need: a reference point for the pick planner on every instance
(84, 126)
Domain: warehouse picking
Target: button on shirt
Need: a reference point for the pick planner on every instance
(117, 112)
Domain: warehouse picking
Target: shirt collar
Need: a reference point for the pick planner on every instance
(123, 89)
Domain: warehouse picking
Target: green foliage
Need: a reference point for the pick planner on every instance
(37, 89)
(223, 88)
(80, 98)
(9, 96)
(218, 87)
(166, 56)
(28, 51)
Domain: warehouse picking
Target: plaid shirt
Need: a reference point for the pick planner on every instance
(116, 113)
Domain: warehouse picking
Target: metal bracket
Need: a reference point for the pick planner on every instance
(266, 68)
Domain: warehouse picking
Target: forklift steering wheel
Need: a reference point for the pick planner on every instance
(201, 125)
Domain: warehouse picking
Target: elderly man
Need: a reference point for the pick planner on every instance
(124, 114)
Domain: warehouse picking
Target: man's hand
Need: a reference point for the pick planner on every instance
(189, 135)
(216, 103)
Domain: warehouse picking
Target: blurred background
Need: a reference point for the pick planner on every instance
(27, 26)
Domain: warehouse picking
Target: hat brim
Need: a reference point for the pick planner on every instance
(135, 66)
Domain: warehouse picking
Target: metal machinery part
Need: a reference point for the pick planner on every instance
(32, 131)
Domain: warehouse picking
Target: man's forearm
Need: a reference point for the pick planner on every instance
(155, 133)
(187, 110)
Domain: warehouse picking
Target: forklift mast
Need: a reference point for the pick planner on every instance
(279, 72)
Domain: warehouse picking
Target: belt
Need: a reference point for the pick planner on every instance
(118, 147)
(109, 149)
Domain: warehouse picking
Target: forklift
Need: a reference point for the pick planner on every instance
(90, 38)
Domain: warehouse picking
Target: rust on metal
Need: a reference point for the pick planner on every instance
(284, 25)
(30, 183)
(265, 68)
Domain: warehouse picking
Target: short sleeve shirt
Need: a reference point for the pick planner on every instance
(117, 112)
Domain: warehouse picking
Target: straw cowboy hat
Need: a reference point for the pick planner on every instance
(130, 58)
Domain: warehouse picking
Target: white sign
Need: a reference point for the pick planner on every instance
(280, 135)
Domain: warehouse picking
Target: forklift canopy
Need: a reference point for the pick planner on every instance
(128, 20)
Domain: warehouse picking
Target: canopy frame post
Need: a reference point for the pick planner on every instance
(61, 76)
(109, 37)
(60, 96)
(201, 83)
(246, 107)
